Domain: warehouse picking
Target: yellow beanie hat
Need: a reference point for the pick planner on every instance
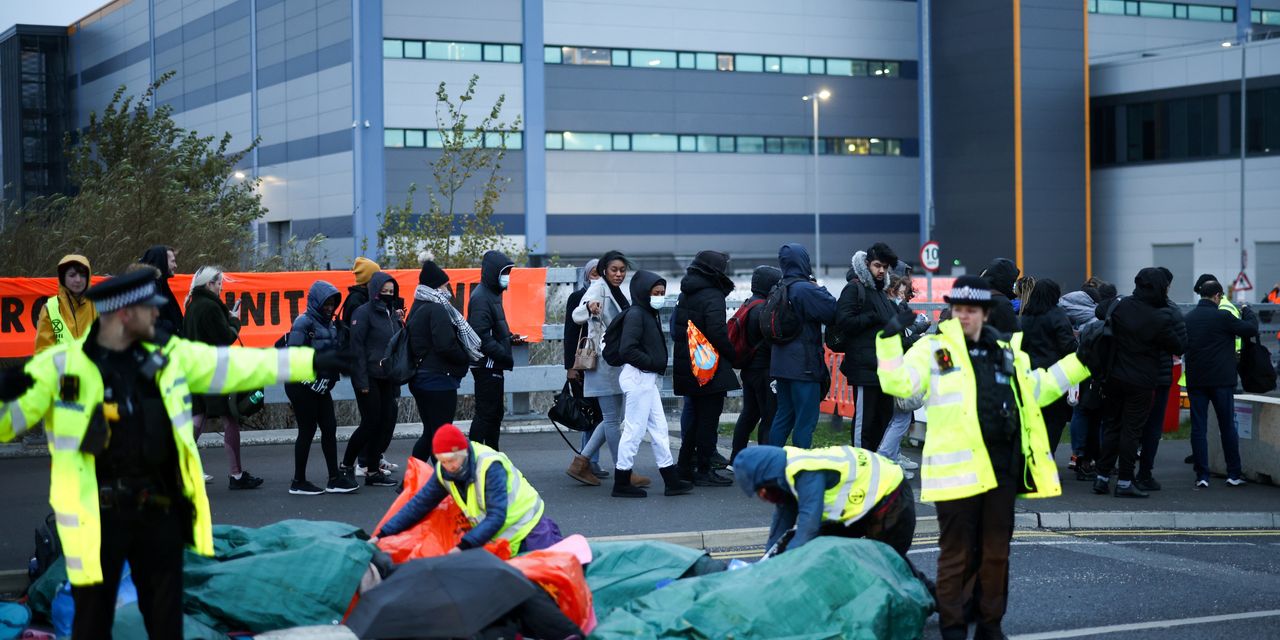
(364, 270)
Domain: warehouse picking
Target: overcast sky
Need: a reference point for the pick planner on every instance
(55, 12)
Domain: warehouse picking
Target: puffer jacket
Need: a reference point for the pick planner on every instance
(78, 313)
(433, 340)
(313, 328)
(861, 313)
(642, 344)
(209, 321)
(372, 326)
(1001, 274)
(1145, 330)
(702, 302)
(486, 316)
(1079, 307)
(762, 280)
(803, 359)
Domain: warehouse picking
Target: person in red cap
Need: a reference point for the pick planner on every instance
(493, 495)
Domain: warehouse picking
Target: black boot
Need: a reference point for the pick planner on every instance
(1101, 486)
(622, 485)
(674, 485)
(710, 478)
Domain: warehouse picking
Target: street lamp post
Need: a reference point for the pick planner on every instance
(817, 228)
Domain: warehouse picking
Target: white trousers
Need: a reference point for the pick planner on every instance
(643, 414)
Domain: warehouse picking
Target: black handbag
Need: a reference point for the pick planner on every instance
(573, 412)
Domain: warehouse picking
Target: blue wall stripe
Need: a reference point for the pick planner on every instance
(116, 63)
(304, 148)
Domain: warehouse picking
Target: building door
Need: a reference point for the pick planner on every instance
(1180, 260)
(1267, 268)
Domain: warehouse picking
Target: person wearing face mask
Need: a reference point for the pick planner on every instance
(643, 350)
(208, 320)
(372, 326)
(987, 444)
(862, 311)
(443, 344)
(489, 320)
(493, 495)
(604, 300)
(312, 400)
(67, 316)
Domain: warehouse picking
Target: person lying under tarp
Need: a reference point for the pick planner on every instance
(832, 491)
(492, 494)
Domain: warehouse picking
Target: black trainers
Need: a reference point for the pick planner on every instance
(341, 484)
(1147, 484)
(245, 481)
(718, 461)
(1101, 486)
(379, 479)
(1131, 491)
(304, 488)
(710, 479)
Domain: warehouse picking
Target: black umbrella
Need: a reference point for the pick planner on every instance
(450, 596)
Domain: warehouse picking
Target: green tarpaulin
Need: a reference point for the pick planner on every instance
(622, 571)
(829, 588)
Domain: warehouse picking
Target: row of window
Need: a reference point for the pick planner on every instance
(662, 143)
(1198, 127)
(1179, 11)
(431, 139)
(707, 61)
(459, 51)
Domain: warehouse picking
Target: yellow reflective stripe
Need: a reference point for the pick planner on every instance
(283, 368)
(953, 457)
(66, 443)
(220, 370)
(524, 520)
(1060, 376)
(949, 482)
(69, 520)
(945, 399)
(74, 563)
(17, 418)
(891, 364)
(914, 375)
(60, 363)
(868, 500)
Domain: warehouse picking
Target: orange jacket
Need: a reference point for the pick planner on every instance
(77, 312)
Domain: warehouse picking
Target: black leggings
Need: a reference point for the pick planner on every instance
(759, 404)
(313, 411)
(699, 444)
(436, 408)
(378, 414)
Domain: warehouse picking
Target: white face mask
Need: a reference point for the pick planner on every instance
(504, 281)
(657, 301)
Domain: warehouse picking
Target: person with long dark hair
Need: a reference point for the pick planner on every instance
(1047, 337)
(312, 400)
(443, 344)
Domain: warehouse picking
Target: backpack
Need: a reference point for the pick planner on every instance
(612, 353)
(48, 548)
(1257, 375)
(780, 323)
(397, 362)
(835, 339)
(743, 350)
(1097, 348)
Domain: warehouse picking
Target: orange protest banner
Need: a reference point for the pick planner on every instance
(269, 302)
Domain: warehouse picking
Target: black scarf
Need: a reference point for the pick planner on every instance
(620, 299)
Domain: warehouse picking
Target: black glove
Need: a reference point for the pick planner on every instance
(13, 383)
(332, 361)
(898, 324)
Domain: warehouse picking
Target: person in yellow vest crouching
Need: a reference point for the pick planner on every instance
(67, 316)
(491, 492)
(126, 481)
(986, 444)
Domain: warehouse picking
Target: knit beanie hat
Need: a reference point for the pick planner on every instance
(448, 439)
(364, 270)
(432, 275)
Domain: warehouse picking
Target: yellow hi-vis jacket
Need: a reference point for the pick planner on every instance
(524, 505)
(866, 478)
(68, 390)
(956, 463)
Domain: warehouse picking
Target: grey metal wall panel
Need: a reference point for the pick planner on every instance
(407, 166)
(973, 130)
(581, 98)
(471, 21)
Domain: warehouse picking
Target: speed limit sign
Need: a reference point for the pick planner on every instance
(929, 256)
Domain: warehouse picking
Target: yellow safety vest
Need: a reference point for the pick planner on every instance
(956, 463)
(67, 408)
(866, 478)
(524, 505)
(54, 309)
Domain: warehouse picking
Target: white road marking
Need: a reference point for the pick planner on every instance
(1139, 626)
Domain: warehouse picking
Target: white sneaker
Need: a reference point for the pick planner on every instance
(1202, 484)
(1235, 482)
(208, 478)
(361, 471)
(387, 466)
(908, 474)
(907, 463)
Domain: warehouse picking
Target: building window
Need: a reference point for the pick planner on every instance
(621, 58)
(552, 55)
(773, 64)
(585, 55)
(1171, 10)
(393, 48)
(837, 67)
(577, 141)
(393, 137)
(708, 61)
(748, 63)
(653, 59)
(431, 139)
(414, 49)
(555, 140)
(455, 51)
(656, 142)
(621, 142)
(686, 60)
(817, 66)
(415, 138)
(724, 62)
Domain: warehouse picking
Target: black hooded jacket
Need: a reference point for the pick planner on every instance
(762, 281)
(357, 296)
(170, 319)
(433, 340)
(802, 359)
(862, 311)
(1146, 330)
(1047, 335)
(1000, 275)
(642, 344)
(372, 326)
(486, 316)
(702, 293)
